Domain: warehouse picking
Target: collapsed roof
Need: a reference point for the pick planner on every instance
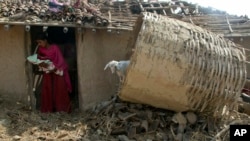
(121, 14)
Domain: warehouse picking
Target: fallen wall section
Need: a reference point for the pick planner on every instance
(180, 66)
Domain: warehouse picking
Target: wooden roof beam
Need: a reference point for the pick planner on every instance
(237, 35)
(66, 25)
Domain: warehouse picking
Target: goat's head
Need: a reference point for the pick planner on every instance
(112, 65)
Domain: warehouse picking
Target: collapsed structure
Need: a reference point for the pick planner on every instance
(181, 53)
(185, 68)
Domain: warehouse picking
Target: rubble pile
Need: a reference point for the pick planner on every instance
(114, 120)
(131, 121)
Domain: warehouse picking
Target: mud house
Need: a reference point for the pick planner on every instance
(93, 42)
(91, 47)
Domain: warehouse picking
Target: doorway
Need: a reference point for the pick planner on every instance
(65, 38)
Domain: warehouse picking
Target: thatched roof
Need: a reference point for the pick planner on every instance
(121, 15)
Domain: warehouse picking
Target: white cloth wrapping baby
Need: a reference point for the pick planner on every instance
(34, 60)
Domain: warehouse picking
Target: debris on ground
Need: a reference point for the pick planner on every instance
(114, 120)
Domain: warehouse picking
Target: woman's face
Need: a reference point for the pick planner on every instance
(41, 43)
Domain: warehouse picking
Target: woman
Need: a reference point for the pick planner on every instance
(56, 84)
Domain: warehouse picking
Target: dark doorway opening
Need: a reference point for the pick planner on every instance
(67, 44)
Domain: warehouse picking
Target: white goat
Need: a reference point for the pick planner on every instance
(120, 67)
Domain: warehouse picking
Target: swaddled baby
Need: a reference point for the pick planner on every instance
(44, 65)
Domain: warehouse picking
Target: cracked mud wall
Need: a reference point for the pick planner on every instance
(12, 60)
(180, 66)
(94, 51)
(245, 42)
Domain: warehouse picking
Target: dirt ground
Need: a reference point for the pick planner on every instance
(112, 120)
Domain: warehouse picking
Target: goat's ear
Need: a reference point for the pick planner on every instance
(106, 66)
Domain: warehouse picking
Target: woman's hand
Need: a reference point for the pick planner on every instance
(41, 57)
(44, 65)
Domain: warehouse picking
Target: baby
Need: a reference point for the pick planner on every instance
(44, 65)
(49, 67)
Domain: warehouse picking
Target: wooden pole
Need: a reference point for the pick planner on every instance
(28, 71)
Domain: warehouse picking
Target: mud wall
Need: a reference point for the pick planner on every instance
(12, 60)
(94, 51)
(244, 41)
(186, 68)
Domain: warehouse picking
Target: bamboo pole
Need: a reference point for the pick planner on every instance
(215, 21)
(29, 73)
(229, 25)
(237, 35)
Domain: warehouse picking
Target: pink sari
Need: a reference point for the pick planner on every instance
(55, 88)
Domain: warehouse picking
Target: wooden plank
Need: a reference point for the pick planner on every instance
(151, 5)
(236, 35)
(63, 25)
(235, 26)
(29, 73)
(141, 7)
(163, 10)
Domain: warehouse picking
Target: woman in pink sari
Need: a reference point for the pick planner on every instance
(55, 86)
